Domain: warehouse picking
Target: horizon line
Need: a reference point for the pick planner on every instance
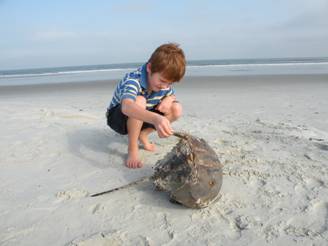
(188, 62)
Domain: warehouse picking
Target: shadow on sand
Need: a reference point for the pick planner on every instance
(100, 141)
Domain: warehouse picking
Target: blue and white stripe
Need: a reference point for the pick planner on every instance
(135, 84)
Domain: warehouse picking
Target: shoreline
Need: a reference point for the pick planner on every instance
(192, 80)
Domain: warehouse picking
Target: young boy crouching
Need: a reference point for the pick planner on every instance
(144, 100)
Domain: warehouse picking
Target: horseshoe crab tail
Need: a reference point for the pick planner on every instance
(141, 180)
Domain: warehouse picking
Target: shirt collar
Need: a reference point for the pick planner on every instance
(144, 77)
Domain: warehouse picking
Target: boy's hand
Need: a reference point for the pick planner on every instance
(163, 126)
(166, 104)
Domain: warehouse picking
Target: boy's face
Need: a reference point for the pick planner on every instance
(156, 81)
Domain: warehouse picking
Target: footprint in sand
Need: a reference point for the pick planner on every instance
(97, 208)
(312, 182)
(311, 223)
(115, 238)
(271, 232)
(71, 194)
(77, 116)
(46, 113)
(322, 146)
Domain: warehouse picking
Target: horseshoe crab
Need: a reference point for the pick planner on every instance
(191, 173)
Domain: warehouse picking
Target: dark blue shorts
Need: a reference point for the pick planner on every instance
(117, 120)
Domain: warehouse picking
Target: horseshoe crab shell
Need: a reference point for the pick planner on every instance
(191, 173)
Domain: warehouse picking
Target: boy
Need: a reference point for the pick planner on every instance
(144, 100)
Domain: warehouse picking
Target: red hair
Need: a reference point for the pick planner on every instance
(169, 60)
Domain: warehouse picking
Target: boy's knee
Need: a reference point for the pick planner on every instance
(176, 110)
(140, 100)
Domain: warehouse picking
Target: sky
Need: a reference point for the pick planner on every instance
(66, 33)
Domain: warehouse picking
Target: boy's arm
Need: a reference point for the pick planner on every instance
(133, 110)
(166, 103)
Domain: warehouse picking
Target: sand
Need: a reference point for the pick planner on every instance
(270, 133)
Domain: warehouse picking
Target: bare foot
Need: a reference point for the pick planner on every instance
(133, 160)
(143, 137)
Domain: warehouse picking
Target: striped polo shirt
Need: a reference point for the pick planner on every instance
(135, 84)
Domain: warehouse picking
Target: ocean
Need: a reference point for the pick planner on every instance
(225, 67)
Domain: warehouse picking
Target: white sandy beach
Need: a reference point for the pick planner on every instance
(270, 133)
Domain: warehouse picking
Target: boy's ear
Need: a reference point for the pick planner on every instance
(148, 67)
